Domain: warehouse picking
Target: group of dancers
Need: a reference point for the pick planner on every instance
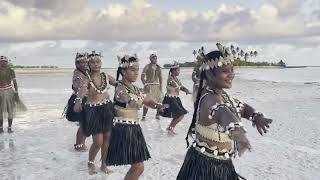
(216, 131)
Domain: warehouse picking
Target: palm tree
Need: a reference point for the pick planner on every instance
(255, 53)
(241, 53)
(246, 55)
(251, 53)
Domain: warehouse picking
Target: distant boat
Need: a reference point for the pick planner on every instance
(295, 66)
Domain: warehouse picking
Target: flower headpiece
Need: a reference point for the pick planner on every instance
(94, 55)
(217, 62)
(4, 58)
(174, 65)
(128, 61)
(152, 55)
(81, 56)
(199, 54)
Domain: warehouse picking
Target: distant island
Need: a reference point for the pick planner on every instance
(34, 67)
(238, 62)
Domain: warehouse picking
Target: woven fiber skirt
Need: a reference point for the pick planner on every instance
(127, 145)
(98, 119)
(70, 114)
(197, 166)
(175, 109)
(7, 103)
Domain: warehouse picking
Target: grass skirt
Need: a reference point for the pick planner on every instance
(127, 145)
(70, 114)
(154, 93)
(175, 109)
(98, 119)
(7, 103)
(197, 166)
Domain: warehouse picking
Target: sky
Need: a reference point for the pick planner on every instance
(46, 32)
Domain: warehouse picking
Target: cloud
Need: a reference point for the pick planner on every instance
(36, 20)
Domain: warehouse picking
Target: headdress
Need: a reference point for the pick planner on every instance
(225, 59)
(4, 58)
(152, 55)
(174, 65)
(128, 61)
(199, 54)
(81, 56)
(94, 55)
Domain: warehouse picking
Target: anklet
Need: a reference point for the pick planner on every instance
(91, 162)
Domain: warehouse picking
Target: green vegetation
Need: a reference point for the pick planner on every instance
(236, 62)
(34, 67)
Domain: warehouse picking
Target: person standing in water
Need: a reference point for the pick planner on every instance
(176, 111)
(98, 110)
(79, 79)
(216, 126)
(128, 146)
(151, 78)
(8, 93)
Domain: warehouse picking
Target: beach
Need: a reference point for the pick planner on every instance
(42, 145)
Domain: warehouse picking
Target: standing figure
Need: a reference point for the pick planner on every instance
(8, 94)
(176, 111)
(151, 78)
(128, 145)
(98, 110)
(216, 126)
(196, 73)
(79, 79)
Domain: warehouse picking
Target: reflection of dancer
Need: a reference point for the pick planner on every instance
(8, 96)
(176, 109)
(217, 122)
(79, 79)
(99, 112)
(128, 145)
(151, 77)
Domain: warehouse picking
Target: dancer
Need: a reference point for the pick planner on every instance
(79, 79)
(176, 111)
(8, 94)
(217, 122)
(99, 111)
(128, 145)
(196, 73)
(151, 78)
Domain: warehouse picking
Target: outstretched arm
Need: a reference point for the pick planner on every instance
(112, 81)
(257, 118)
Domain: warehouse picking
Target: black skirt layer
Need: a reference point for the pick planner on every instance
(175, 109)
(70, 114)
(127, 145)
(197, 166)
(98, 119)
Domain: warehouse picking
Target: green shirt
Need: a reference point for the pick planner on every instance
(6, 76)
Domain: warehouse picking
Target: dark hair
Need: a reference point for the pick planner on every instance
(209, 56)
(123, 60)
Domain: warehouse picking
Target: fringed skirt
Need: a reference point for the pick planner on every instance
(127, 145)
(70, 114)
(175, 109)
(98, 118)
(197, 166)
(153, 92)
(7, 103)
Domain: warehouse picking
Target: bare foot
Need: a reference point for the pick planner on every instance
(10, 130)
(91, 168)
(80, 147)
(158, 118)
(143, 118)
(105, 169)
(170, 131)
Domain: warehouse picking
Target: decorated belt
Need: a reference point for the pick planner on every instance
(125, 120)
(5, 87)
(212, 152)
(152, 84)
(98, 104)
